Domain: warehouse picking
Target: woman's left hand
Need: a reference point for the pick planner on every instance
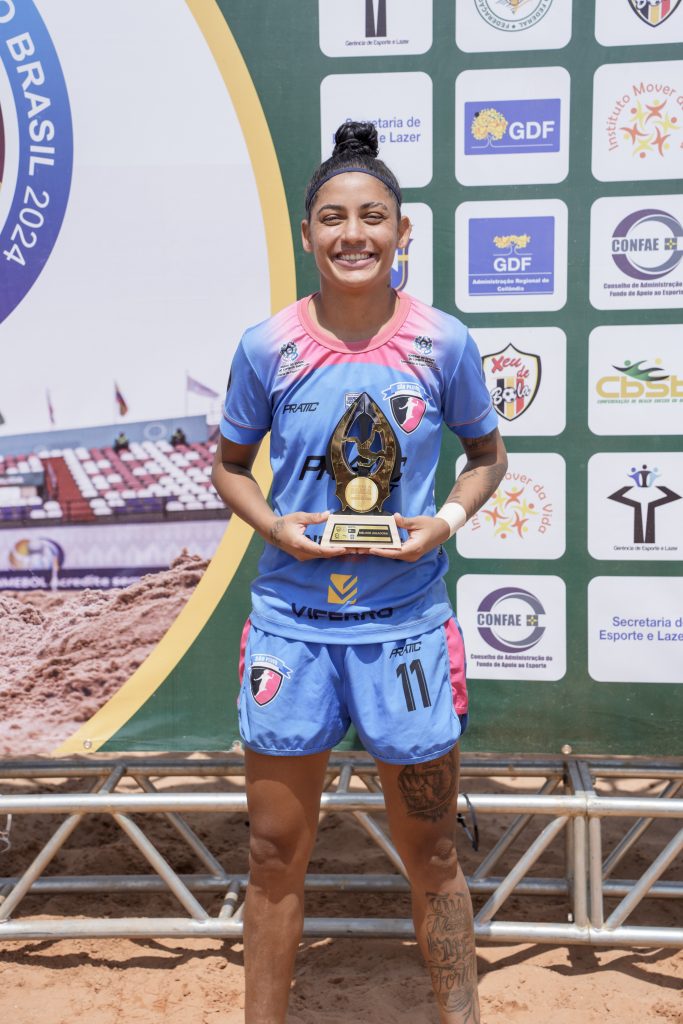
(424, 534)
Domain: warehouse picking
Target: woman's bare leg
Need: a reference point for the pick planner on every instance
(421, 807)
(283, 796)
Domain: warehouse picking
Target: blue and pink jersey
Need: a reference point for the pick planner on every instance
(423, 369)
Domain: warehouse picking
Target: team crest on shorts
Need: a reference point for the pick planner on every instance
(266, 677)
(408, 402)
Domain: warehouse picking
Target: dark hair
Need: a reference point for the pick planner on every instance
(355, 149)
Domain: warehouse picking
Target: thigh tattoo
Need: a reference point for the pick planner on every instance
(428, 789)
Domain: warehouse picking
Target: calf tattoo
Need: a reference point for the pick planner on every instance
(452, 962)
(428, 789)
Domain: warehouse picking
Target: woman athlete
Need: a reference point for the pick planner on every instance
(338, 635)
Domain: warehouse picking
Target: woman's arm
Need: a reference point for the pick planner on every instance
(485, 468)
(232, 477)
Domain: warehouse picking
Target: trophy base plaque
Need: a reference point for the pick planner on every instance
(361, 531)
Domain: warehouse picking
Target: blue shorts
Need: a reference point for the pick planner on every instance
(407, 698)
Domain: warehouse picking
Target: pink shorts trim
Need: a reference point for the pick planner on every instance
(456, 658)
(243, 648)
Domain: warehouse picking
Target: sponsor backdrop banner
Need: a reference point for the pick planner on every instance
(147, 218)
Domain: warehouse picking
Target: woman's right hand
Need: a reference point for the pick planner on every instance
(287, 533)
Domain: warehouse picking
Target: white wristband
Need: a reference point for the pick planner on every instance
(454, 514)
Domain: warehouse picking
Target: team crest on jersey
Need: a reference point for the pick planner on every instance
(289, 352)
(513, 379)
(654, 12)
(408, 401)
(266, 677)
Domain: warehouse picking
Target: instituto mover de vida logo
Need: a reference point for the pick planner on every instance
(645, 121)
(520, 508)
(36, 151)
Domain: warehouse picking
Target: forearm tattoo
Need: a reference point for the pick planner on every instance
(275, 531)
(428, 789)
(452, 962)
(477, 483)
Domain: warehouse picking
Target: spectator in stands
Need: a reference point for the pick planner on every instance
(121, 443)
(178, 437)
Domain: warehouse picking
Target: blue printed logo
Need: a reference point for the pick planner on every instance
(512, 126)
(36, 162)
(511, 256)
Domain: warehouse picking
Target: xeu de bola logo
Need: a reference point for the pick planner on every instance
(36, 149)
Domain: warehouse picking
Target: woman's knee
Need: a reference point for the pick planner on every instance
(276, 857)
(433, 858)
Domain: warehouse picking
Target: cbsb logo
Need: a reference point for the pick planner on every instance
(513, 126)
(646, 244)
(637, 381)
(513, 378)
(512, 255)
(654, 12)
(509, 620)
(513, 15)
(36, 161)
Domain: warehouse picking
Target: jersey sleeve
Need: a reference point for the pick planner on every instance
(247, 411)
(467, 407)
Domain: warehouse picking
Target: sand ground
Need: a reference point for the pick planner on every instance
(338, 981)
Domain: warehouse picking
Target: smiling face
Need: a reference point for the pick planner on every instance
(354, 231)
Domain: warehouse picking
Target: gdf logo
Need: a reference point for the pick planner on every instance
(513, 126)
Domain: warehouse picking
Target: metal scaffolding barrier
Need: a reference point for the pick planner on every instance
(558, 805)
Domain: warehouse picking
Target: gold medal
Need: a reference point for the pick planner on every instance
(361, 493)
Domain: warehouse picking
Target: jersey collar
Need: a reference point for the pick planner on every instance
(335, 345)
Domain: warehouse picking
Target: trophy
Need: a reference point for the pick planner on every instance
(361, 456)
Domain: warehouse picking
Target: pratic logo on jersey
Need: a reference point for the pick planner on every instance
(412, 647)
(408, 401)
(653, 12)
(509, 620)
(36, 149)
(644, 496)
(266, 675)
(300, 406)
(519, 508)
(513, 379)
(638, 383)
(645, 120)
(512, 126)
(511, 255)
(513, 15)
(646, 244)
(342, 589)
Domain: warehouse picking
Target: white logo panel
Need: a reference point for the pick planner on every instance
(514, 626)
(412, 268)
(636, 250)
(495, 25)
(511, 256)
(633, 505)
(635, 379)
(639, 23)
(374, 28)
(638, 121)
(635, 629)
(398, 104)
(512, 126)
(525, 371)
(525, 518)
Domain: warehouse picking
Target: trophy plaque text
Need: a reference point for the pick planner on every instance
(362, 456)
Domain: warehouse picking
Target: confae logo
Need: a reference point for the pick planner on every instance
(509, 620)
(512, 126)
(36, 149)
(646, 244)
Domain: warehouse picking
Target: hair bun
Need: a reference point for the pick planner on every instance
(356, 137)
